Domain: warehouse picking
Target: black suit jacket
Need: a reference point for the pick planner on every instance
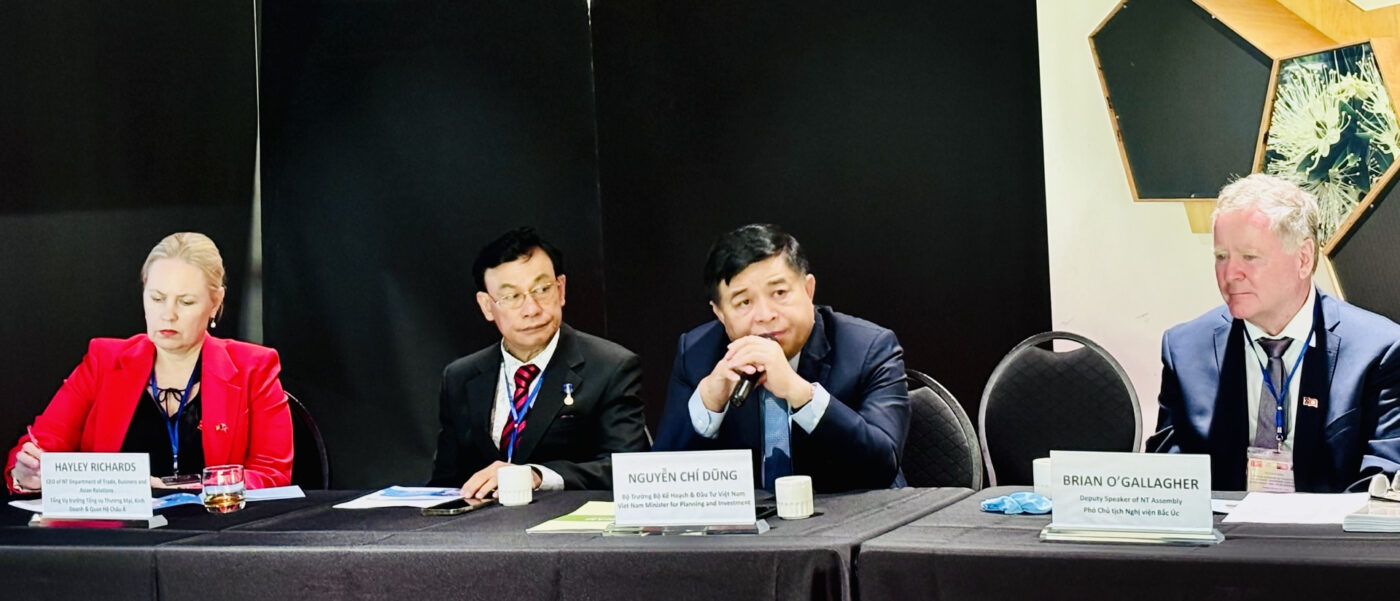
(577, 441)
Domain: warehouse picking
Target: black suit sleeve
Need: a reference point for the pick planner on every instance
(620, 424)
(446, 470)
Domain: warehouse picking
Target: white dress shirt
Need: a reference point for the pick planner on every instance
(1298, 329)
(707, 422)
(500, 413)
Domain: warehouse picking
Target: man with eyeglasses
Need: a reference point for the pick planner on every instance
(829, 399)
(548, 396)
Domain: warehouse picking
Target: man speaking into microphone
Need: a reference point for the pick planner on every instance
(826, 393)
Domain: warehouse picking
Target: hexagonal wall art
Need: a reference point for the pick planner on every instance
(1189, 83)
(1332, 129)
(1186, 96)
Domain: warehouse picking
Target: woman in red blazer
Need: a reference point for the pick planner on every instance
(141, 393)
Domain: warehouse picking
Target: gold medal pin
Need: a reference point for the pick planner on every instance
(568, 394)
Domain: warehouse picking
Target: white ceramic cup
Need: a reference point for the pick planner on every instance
(794, 495)
(515, 485)
(1041, 470)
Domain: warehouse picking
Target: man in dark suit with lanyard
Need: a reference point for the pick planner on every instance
(1286, 388)
(829, 399)
(548, 396)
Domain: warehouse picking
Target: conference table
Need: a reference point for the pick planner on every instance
(304, 549)
(874, 545)
(960, 552)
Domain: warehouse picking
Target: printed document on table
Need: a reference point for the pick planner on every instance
(186, 498)
(593, 516)
(403, 496)
(1296, 508)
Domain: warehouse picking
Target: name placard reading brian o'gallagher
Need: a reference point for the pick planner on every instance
(1131, 491)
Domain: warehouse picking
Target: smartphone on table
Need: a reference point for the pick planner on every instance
(458, 506)
(182, 481)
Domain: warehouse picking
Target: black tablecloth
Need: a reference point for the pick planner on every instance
(962, 553)
(72, 563)
(306, 550)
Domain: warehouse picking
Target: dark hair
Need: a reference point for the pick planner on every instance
(512, 245)
(742, 247)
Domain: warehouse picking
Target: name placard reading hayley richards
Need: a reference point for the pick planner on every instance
(100, 486)
(692, 488)
(1146, 492)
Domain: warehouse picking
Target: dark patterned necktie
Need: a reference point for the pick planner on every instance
(523, 377)
(1266, 425)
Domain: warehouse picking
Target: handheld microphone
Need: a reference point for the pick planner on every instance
(746, 383)
(742, 389)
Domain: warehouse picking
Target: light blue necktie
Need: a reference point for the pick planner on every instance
(777, 453)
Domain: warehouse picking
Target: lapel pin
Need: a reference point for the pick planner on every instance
(568, 394)
(221, 428)
(1310, 402)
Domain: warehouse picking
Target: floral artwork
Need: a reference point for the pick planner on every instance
(1333, 129)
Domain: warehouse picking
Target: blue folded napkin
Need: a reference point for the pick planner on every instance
(1017, 502)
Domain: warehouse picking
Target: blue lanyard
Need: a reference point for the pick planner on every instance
(1279, 396)
(518, 415)
(172, 428)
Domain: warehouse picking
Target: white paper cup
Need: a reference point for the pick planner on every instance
(1041, 470)
(794, 497)
(515, 485)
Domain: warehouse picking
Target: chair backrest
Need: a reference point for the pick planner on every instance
(1038, 400)
(941, 449)
(311, 469)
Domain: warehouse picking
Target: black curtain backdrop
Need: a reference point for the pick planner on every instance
(399, 138)
(120, 123)
(899, 140)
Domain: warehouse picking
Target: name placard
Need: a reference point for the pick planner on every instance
(692, 488)
(1143, 492)
(105, 486)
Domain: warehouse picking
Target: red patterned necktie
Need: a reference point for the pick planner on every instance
(523, 377)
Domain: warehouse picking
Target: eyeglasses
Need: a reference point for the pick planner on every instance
(543, 293)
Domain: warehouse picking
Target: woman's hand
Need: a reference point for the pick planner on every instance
(26, 472)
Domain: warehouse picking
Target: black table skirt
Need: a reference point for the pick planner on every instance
(303, 549)
(962, 553)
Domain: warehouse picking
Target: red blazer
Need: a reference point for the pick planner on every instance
(244, 418)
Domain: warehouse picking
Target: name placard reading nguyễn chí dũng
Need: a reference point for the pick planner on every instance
(691, 488)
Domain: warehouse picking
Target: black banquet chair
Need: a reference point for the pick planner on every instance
(1039, 399)
(310, 467)
(942, 448)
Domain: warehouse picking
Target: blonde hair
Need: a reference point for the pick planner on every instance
(197, 250)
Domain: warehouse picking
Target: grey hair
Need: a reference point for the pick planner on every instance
(1292, 212)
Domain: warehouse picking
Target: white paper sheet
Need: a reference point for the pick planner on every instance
(1296, 508)
(403, 496)
(275, 493)
(33, 505)
(1224, 506)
